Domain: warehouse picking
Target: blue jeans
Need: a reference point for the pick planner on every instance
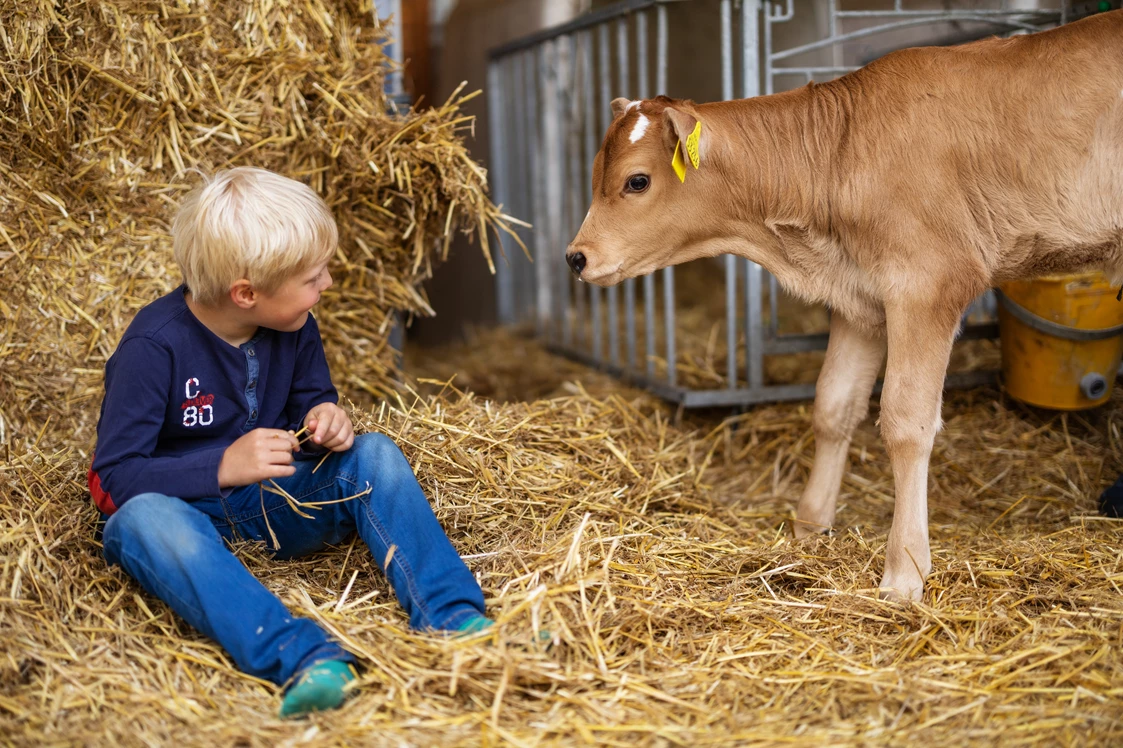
(175, 550)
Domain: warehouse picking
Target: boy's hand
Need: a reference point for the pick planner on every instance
(330, 426)
(260, 454)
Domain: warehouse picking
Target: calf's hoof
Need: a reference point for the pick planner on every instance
(906, 584)
(806, 528)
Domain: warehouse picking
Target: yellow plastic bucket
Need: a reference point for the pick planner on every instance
(1061, 340)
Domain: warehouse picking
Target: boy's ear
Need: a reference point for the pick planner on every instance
(242, 294)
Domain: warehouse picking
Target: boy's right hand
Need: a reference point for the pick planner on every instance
(260, 454)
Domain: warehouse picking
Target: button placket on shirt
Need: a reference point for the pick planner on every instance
(252, 370)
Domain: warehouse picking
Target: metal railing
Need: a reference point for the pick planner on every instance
(549, 96)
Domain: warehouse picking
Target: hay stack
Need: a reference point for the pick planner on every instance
(106, 108)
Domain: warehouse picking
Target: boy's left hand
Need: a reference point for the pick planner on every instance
(330, 426)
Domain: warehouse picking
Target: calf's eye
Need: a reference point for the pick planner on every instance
(638, 183)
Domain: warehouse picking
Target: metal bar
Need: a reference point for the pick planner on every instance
(773, 307)
(644, 92)
(787, 392)
(874, 30)
(773, 393)
(519, 205)
(779, 16)
(750, 48)
(590, 153)
(534, 169)
(785, 344)
(641, 55)
(750, 85)
(545, 205)
(585, 134)
(588, 127)
(767, 55)
(669, 322)
(660, 51)
(730, 260)
(570, 165)
(500, 185)
(754, 327)
(951, 14)
(552, 260)
(668, 273)
(530, 182)
(630, 322)
(726, 49)
(585, 22)
(727, 398)
(604, 70)
(630, 283)
(731, 320)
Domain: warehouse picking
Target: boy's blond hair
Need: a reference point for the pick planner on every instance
(249, 223)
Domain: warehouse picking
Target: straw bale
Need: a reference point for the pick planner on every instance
(106, 108)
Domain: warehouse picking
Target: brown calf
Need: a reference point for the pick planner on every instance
(895, 195)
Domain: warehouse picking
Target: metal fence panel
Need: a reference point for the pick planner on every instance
(549, 100)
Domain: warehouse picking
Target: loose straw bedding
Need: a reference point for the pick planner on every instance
(655, 552)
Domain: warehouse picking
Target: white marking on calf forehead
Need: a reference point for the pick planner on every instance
(632, 105)
(639, 129)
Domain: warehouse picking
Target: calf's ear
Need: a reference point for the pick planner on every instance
(619, 106)
(683, 136)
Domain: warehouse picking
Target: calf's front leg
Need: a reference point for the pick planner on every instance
(920, 337)
(842, 398)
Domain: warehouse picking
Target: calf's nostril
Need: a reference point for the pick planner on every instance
(576, 262)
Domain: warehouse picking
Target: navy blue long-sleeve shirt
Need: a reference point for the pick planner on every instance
(177, 395)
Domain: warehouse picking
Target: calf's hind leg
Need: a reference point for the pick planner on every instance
(842, 397)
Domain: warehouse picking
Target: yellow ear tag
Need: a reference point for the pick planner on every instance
(692, 143)
(678, 163)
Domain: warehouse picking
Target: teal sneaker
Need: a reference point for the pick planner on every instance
(320, 687)
(479, 625)
(475, 625)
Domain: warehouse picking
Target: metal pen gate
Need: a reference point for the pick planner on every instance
(548, 97)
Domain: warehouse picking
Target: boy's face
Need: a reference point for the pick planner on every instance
(286, 309)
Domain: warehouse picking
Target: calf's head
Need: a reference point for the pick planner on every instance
(646, 213)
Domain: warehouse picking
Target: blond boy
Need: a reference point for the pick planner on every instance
(204, 399)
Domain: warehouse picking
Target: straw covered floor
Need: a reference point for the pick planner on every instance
(652, 546)
(655, 551)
